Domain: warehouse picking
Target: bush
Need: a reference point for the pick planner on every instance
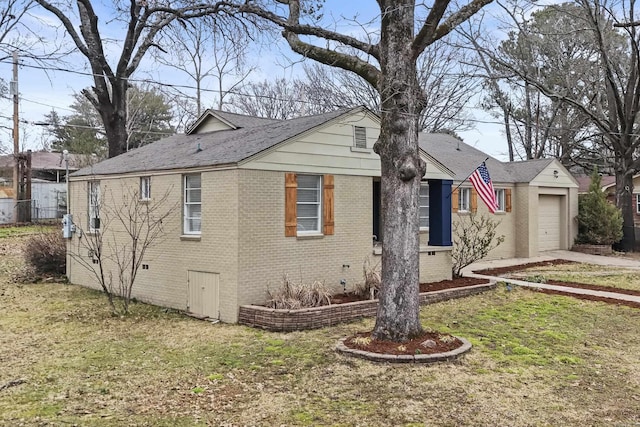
(473, 238)
(372, 278)
(46, 253)
(291, 295)
(599, 222)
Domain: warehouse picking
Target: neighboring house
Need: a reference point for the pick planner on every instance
(538, 199)
(48, 190)
(608, 186)
(45, 165)
(263, 198)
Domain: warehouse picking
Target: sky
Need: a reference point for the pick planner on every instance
(42, 90)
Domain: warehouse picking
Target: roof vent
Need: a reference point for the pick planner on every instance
(199, 149)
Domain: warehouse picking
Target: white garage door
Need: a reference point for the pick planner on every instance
(549, 223)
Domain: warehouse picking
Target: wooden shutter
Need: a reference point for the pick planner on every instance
(290, 206)
(327, 205)
(454, 201)
(507, 199)
(474, 200)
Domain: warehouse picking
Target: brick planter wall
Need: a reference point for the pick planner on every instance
(593, 249)
(318, 317)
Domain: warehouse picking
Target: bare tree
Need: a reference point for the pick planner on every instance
(613, 103)
(474, 236)
(547, 47)
(205, 49)
(442, 75)
(142, 21)
(279, 99)
(118, 237)
(389, 65)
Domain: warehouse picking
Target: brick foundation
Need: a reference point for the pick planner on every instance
(593, 249)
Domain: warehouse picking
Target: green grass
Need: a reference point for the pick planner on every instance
(537, 360)
(25, 230)
(586, 273)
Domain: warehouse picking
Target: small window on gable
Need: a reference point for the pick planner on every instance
(359, 137)
(464, 200)
(145, 187)
(501, 200)
(424, 206)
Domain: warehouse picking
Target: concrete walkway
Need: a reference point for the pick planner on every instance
(622, 263)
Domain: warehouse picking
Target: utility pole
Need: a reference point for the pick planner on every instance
(16, 135)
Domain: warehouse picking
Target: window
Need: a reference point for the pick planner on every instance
(359, 137)
(94, 206)
(192, 204)
(500, 198)
(145, 187)
(424, 205)
(308, 204)
(464, 200)
(638, 203)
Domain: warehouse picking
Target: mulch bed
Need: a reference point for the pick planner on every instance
(498, 271)
(427, 343)
(424, 287)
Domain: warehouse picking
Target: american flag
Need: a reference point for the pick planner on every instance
(482, 183)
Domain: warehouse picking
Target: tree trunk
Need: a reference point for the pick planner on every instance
(115, 119)
(624, 196)
(398, 317)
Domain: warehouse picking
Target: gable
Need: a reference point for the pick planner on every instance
(209, 122)
(554, 175)
(326, 149)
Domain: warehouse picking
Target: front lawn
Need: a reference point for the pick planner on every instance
(537, 360)
(586, 273)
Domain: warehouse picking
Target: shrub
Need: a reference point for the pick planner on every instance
(473, 237)
(46, 253)
(291, 295)
(599, 222)
(372, 279)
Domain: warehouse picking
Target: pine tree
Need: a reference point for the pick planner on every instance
(599, 222)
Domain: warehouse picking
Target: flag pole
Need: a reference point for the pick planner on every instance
(468, 176)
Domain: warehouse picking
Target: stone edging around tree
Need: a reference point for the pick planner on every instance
(404, 358)
(282, 320)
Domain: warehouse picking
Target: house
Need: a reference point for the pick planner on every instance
(48, 188)
(538, 199)
(608, 184)
(262, 198)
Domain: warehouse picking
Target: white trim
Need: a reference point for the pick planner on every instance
(464, 190)
(145, 190)
(319, 188)
(187, 204)
(423, 184)
(502, 199)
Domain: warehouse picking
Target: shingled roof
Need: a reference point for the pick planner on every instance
(462, 159)
(224, 147)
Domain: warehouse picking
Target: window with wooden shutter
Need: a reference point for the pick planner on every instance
(290, 205)
(327, 205)
(454, 201)
(474, 200)
(507, 197)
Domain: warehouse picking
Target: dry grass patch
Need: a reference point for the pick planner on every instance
(537, 360)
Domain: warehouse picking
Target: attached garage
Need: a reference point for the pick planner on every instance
(549, 222)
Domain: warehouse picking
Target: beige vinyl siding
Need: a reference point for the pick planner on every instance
(546, 178)
(212, 124)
